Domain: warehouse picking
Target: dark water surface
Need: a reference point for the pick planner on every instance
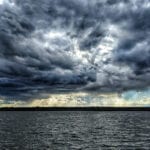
(74, 130)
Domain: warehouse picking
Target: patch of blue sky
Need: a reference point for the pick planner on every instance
(136, 94)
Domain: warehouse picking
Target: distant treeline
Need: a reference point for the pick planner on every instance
(75, 109)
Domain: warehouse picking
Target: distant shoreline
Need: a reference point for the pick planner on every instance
(75, 109)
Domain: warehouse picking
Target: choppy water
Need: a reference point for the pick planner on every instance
(74, 130)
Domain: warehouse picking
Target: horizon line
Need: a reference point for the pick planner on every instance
(84, 108)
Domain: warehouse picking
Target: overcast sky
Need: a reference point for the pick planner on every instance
(50, 47)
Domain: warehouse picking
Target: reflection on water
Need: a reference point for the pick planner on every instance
(74, 130)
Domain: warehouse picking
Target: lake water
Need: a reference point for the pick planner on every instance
(68, 130)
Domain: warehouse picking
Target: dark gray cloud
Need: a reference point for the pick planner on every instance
(52, 46)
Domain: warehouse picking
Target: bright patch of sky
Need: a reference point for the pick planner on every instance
(1, 2)
(136, 95)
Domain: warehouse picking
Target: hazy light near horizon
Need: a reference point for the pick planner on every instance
(80, 99)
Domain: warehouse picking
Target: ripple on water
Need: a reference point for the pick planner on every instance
(74, 130)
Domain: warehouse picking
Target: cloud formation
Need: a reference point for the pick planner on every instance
(51, 46)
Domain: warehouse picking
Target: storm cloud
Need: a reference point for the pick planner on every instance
(49, 46)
